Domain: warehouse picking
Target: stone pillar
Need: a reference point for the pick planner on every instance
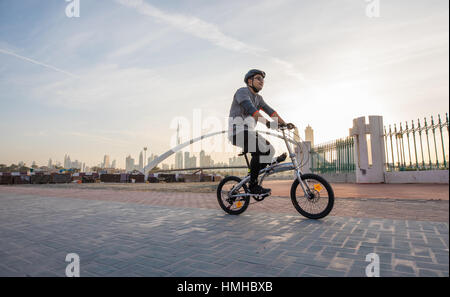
(369, 169)
(306, 149)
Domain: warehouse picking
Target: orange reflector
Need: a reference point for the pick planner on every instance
(318, 187)
(239, 204)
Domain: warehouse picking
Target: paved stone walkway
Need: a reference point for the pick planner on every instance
(135, 239)
(387, 191)
(396, 209)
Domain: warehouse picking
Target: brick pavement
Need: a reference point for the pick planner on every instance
(130, 233)
(370, 191)
(279, 188)
(422, 210)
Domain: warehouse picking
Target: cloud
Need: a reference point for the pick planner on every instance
(37, 63)
(208, 31)
(102, 88)
(192, 25)
(145, 42)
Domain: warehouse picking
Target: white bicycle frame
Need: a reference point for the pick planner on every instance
(277, 168)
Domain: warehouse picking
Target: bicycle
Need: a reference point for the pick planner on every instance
(234, 197)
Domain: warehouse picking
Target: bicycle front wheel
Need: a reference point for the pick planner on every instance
(319, 204)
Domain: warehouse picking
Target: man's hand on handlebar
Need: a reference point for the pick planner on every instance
(289, 126)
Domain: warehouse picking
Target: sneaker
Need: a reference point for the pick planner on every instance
(281, 157)
(257, 189)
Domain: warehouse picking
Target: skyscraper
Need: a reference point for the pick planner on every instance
(151, 158)
(141, 162)
(113, 165)
(186, 160)
(129, 163)
(205, 160)
(178, 155)
(193, 161)
(309, 135)
(67, 162)
(76, 164)
(106, 161)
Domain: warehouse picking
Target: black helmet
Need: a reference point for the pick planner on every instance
(252, 73)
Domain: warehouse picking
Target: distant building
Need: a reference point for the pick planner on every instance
(113, 165)
(141, 162)
(309, 135)
(221, 164)
(189, 162)
(106, 161)
(178, 155)
(76, 165)
(129, 163)
(151, 158)
(193, 161)
(237, 161)
(205, 160)
(67, 162)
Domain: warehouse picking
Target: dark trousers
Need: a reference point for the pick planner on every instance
(257, 146)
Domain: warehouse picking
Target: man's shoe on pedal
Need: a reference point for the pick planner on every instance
(258, 190)
(281, 158)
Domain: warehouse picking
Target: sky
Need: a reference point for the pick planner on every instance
(121, 75)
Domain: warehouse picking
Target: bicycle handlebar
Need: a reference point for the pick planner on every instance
(288, 126)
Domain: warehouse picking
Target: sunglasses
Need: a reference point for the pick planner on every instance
(260, 78)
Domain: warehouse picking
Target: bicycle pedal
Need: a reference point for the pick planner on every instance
(264, 195)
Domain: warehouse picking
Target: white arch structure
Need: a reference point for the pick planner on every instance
(179, 147)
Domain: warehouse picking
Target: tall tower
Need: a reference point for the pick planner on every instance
(179, 155)
(67, 162)
(141, 162)
(187, 160)
(309, 135)
(202, 159)
(145, 155)
(129, 163)
(106, 161)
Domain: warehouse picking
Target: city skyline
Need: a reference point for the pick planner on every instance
(204, 160)
(119, 76)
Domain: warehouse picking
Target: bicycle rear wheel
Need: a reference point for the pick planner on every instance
(320, 204)
(232, 205)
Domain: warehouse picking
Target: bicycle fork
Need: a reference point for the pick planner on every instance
(298, 172)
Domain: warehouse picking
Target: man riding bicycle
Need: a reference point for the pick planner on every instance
(244, 115)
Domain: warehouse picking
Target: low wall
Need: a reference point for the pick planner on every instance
(408, 177)
(348, 177)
